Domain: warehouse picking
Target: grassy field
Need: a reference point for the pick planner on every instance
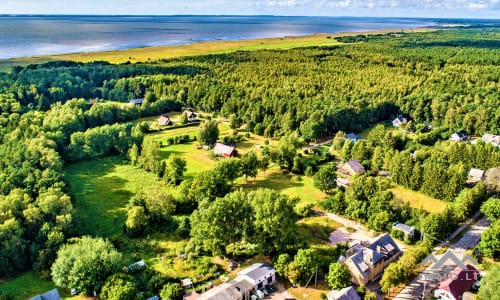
(102, 189)
(316, 230)
(288, 184)
(26, 286)
(418, 200)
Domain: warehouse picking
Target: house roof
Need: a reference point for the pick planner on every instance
(190, 114)
(356, 166)
(352, 136)
(223, 149)
(399, 120)
(365, 257)
(491, 138)
(461, 133)
(136, 101)
(476, 173)
(163, 119)
(404, 228)
(257, 271)
(234, 289)
(50, 295)
(457, 285)
(388, 246)
(347, 293)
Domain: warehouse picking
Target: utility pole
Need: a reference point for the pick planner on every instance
(316, 277)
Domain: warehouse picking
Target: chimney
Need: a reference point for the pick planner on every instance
(379, 249)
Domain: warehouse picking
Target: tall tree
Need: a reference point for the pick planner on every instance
(175, 167)
(338, 276)
(326, 178)
(208, 133)
(85, 264)
(249, 164)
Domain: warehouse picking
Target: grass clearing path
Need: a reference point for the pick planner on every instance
(102, 189)
(418, 200)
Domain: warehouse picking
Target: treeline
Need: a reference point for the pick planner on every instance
(439, 171)
(39, 86)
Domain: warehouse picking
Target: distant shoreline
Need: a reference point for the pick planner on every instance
(153, 53)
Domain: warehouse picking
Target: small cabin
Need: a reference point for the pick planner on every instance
(137, 101)
(399, 121)
(459, 136)
(225, 150)
(164, 120)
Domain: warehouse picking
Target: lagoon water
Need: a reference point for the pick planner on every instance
(38, 35)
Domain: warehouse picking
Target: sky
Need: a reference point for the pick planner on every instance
(376, 8)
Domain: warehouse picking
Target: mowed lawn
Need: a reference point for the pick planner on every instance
(418, 200)
(288, 184)
(102, 189)
(26, 286)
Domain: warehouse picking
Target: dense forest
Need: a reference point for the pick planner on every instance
(446, 79)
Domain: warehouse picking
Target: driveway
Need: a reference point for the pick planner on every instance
(357, 234)
(280, 294)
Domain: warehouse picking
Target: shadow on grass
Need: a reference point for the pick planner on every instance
(276, 180)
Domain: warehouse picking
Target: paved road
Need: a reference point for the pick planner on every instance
(421, 287)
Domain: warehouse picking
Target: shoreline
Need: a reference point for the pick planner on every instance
(153, 53)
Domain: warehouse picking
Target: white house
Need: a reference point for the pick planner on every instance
(475, 175)
(399, 121)
(259, 274)
(459, 136)
(255, 277)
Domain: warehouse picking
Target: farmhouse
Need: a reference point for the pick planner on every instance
(137, 101)
(352, 168)
(253, 278)
(475, 175)
(225, 150)
(459, 136)
(347, 293)
(399, 121)
(367, 263)
(164, 120)
(50, 295)
(455, 286)
(190, 115)
(491, 139)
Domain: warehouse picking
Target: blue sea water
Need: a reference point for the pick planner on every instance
(38, 35)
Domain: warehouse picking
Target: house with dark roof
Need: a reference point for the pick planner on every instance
(225, 150)
(366, 263)
(459, 136)
(164, 120)
(352, 168)
(353, 138)
(399, 121)
(347, 293)
(457, 283)
(50, 295)
(408, 231)
(190, 115)
(137, 101)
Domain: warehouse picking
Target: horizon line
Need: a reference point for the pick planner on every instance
(239, 15)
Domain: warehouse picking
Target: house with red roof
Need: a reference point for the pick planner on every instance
(458, 282)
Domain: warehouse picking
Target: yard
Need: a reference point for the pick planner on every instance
(26, 286)
(418, 200)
